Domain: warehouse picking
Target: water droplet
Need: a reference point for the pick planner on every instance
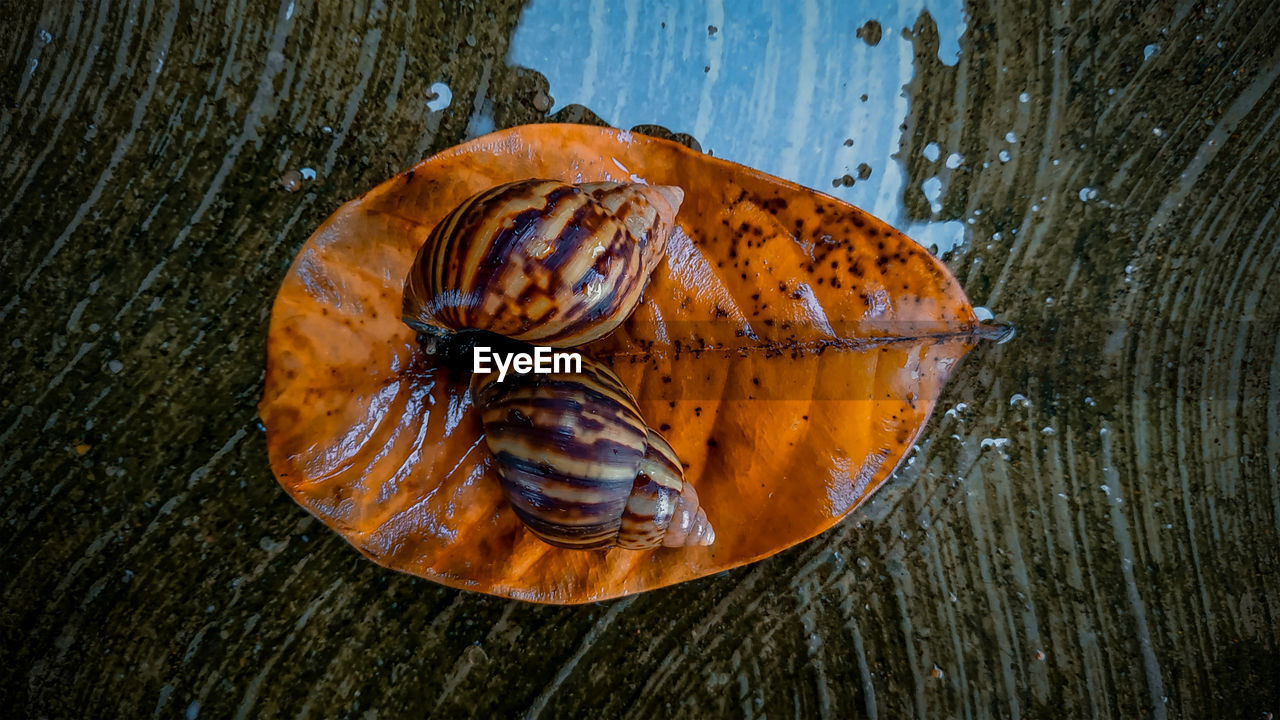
(932, 188)
(540, 248)
(440, 97)
(291, 181)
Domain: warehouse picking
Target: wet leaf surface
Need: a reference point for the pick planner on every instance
(791, 347)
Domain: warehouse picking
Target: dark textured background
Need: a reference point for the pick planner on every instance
(1124, 562)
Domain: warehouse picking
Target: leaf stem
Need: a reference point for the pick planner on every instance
(999, 331)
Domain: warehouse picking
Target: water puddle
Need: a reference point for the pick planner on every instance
(811, 91)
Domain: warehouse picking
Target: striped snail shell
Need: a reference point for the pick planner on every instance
(541, 261)
(580, 467)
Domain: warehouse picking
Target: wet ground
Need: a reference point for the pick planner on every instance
(1090, 529)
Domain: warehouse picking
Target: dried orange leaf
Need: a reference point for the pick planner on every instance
(791, 348)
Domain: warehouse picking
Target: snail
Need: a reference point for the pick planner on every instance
(559, 264)
(581, 468)
(541, 261)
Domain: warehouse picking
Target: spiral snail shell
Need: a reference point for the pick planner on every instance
(541, 261)
(580, 467)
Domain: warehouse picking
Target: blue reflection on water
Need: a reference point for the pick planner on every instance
(778, 85)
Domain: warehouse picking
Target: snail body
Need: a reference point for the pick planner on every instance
(580, 467)
(541, 261)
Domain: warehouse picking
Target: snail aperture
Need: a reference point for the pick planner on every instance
(541, 261)
(581, 468)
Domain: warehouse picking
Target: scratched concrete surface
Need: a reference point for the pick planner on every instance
(1092, 529)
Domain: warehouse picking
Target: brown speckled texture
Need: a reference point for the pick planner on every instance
(1118, 557)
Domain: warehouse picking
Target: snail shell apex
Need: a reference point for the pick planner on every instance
(579, 466)
(541, 261)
